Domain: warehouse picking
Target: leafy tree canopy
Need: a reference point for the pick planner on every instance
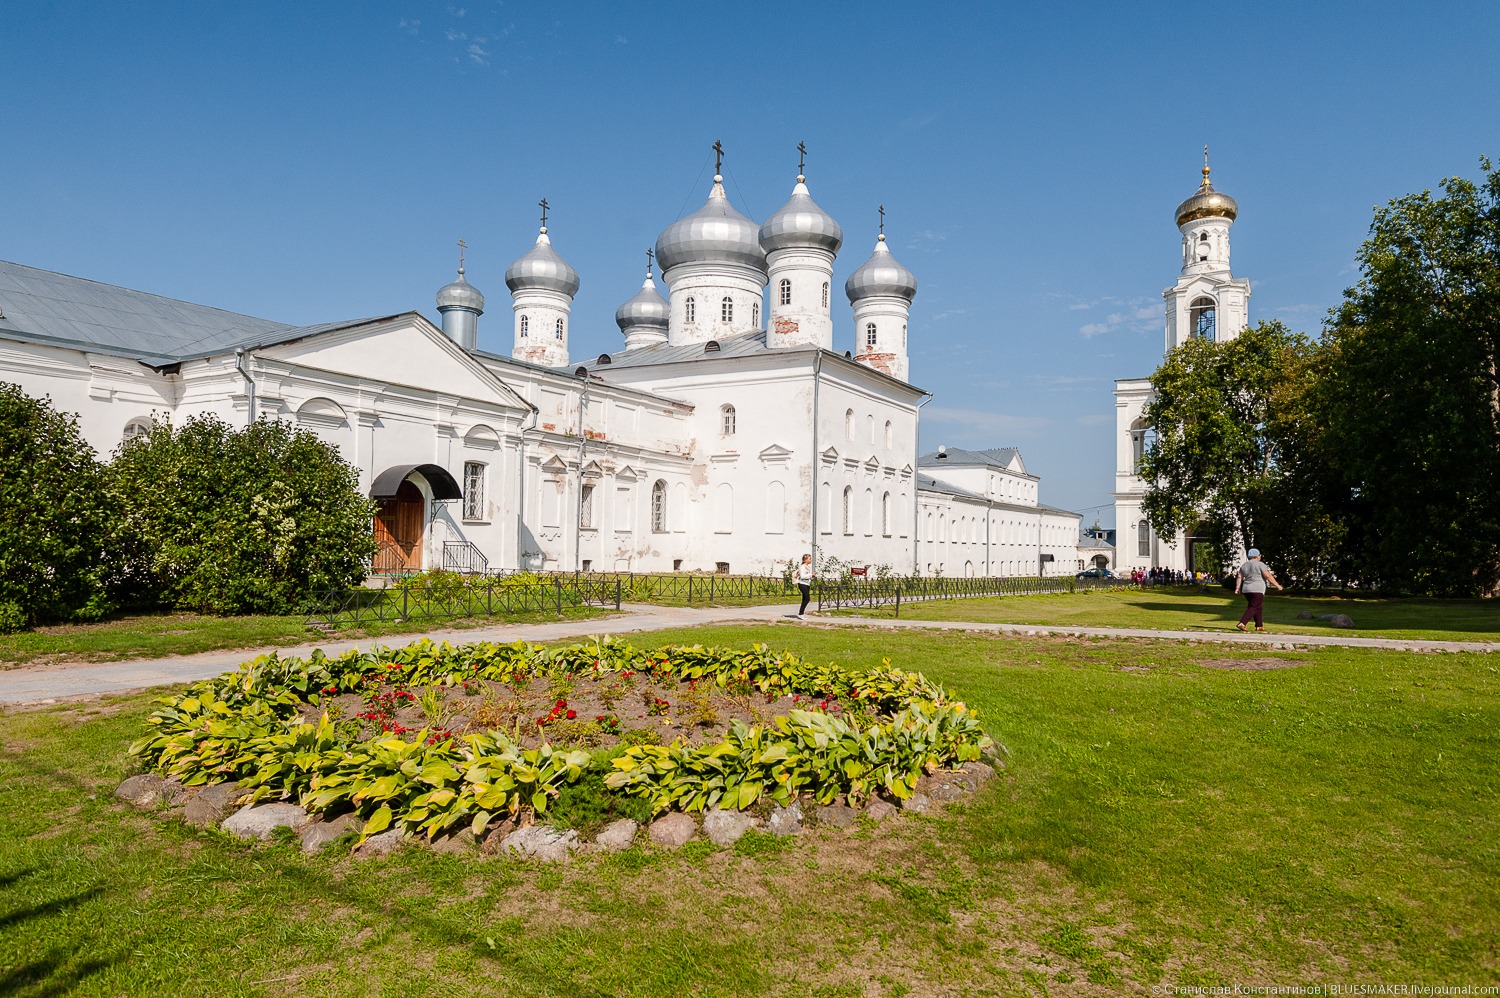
(241, 521)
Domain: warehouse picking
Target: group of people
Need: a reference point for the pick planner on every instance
(1165, 577)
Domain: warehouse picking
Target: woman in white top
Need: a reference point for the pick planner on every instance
(805, 576)
(1251, 580)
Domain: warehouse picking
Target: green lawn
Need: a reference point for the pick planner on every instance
(162, 634)
(1171, 815)
(1219, 610)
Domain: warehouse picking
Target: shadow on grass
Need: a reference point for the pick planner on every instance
(56, 972)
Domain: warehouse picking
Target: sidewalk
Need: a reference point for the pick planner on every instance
(53, 682)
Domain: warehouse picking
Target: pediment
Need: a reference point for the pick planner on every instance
(830, 455)
(593, 470)
(872, 465)
(554, 464)
(775, 454)
(628, 474)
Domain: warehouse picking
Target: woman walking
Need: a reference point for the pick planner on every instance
(1251, 580)
(805, 576)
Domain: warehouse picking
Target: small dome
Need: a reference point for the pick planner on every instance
(542, 268)
(715, 233)
(879, 276)
(801, 223)
(1207, 203)
(460, 294)
(647, 308)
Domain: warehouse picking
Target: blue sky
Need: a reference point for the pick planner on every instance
(310, 162)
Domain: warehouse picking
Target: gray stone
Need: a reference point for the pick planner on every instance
(459, 843)
(673, 830)
(541, 842)
(617, 835)
(724, 826)
(259, 821)
(494, 836)
(1304, 615)
(837, 815)
(319, 834)
(879, 810)
(143, 791)
(175, 793)
(1341, 620)
(213, 804)
(979, 771)
(382, 844)
(918, 802)
(785, 820)
(942, 787)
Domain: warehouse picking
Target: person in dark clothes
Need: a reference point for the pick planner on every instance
(1251, 579)
(805, 576)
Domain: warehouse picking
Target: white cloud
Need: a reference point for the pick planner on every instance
(456, 36)
(926, 241)
(408, 26)
(457, 11)
(621, 40)
(1139, 318)
(947, 314)
(478, 55)
(992, 423)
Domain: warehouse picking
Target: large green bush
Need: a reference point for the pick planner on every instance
(253, 520)
(55, 516)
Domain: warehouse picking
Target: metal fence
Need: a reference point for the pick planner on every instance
(686, 587)
(473, 596)
(847, 594)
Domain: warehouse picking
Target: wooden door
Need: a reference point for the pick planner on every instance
(398, 530)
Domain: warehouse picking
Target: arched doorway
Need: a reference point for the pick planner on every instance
(398, 530)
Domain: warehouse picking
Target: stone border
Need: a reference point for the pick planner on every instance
(226, 806)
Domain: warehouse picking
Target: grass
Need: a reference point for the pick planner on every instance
(1218, 610)
(1170, 815)
(162, 634)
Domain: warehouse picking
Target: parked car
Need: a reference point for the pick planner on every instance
(1096, 573)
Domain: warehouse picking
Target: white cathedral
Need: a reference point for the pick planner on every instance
(1208, 302)
(728, 433)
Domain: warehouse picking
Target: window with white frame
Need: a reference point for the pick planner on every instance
(870, 334)
(785, 290)
(1143, 539)
(726, 309)
(848, 509)
(586, 508)
(689, 310)
(755, 314)
(525, 325)
(885, 515)
(136, 428)
(726, 420)
(559, 329)
(474, 490)
(825, 294)
(659, 507)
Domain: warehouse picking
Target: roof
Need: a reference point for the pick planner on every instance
(994, 457)
(42, 306)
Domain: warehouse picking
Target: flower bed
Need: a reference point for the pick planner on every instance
(271, 726)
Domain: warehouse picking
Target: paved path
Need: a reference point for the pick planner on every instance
(56, 681)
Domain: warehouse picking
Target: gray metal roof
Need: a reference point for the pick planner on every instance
(715, 233)
(993, 457)
(48, 307)
(881, 276)
(541, 267)
(744, 345)
(800, 222)
(930, 484)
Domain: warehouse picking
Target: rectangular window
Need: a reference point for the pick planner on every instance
(586, 508)
(1143, 545)
(474, 508)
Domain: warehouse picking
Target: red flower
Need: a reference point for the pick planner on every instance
(572, 714)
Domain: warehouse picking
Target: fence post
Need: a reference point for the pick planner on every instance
(403, 602)
(690, 591)
(558, 584)
(617, 594)
(898, 601)
(710, 588)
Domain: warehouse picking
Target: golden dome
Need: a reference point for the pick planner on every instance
(1207, 203)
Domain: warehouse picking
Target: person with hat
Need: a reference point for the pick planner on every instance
(1251, 580)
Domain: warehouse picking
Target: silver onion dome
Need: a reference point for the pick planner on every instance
(460, 294)
(542, 268)
(881, 275)
(715, 233)
(801, 223)
(647, 308)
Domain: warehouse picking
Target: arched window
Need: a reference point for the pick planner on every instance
(726, 309)
(659, 507)
(825, 294)
(903, 336)
(890, 437)
(786, 291)
(1143, 539)
(689, 310)
(726, 420)
(755, 314)
(559, 329)
(885, 515)
(1203, 315)
(869, 334)
(525, 325)
(848, 424)
(136, 428)
(848, 509)
(1203, 247)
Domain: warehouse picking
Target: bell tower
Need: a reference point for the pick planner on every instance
(1207, 301)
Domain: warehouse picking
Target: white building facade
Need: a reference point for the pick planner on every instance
(1207, 302)
(729, 432)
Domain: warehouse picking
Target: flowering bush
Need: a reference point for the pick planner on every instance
(246, 726)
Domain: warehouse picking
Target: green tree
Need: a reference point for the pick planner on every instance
(1229, 454)
(1408, 402)
(254, 520)
(55, 516)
